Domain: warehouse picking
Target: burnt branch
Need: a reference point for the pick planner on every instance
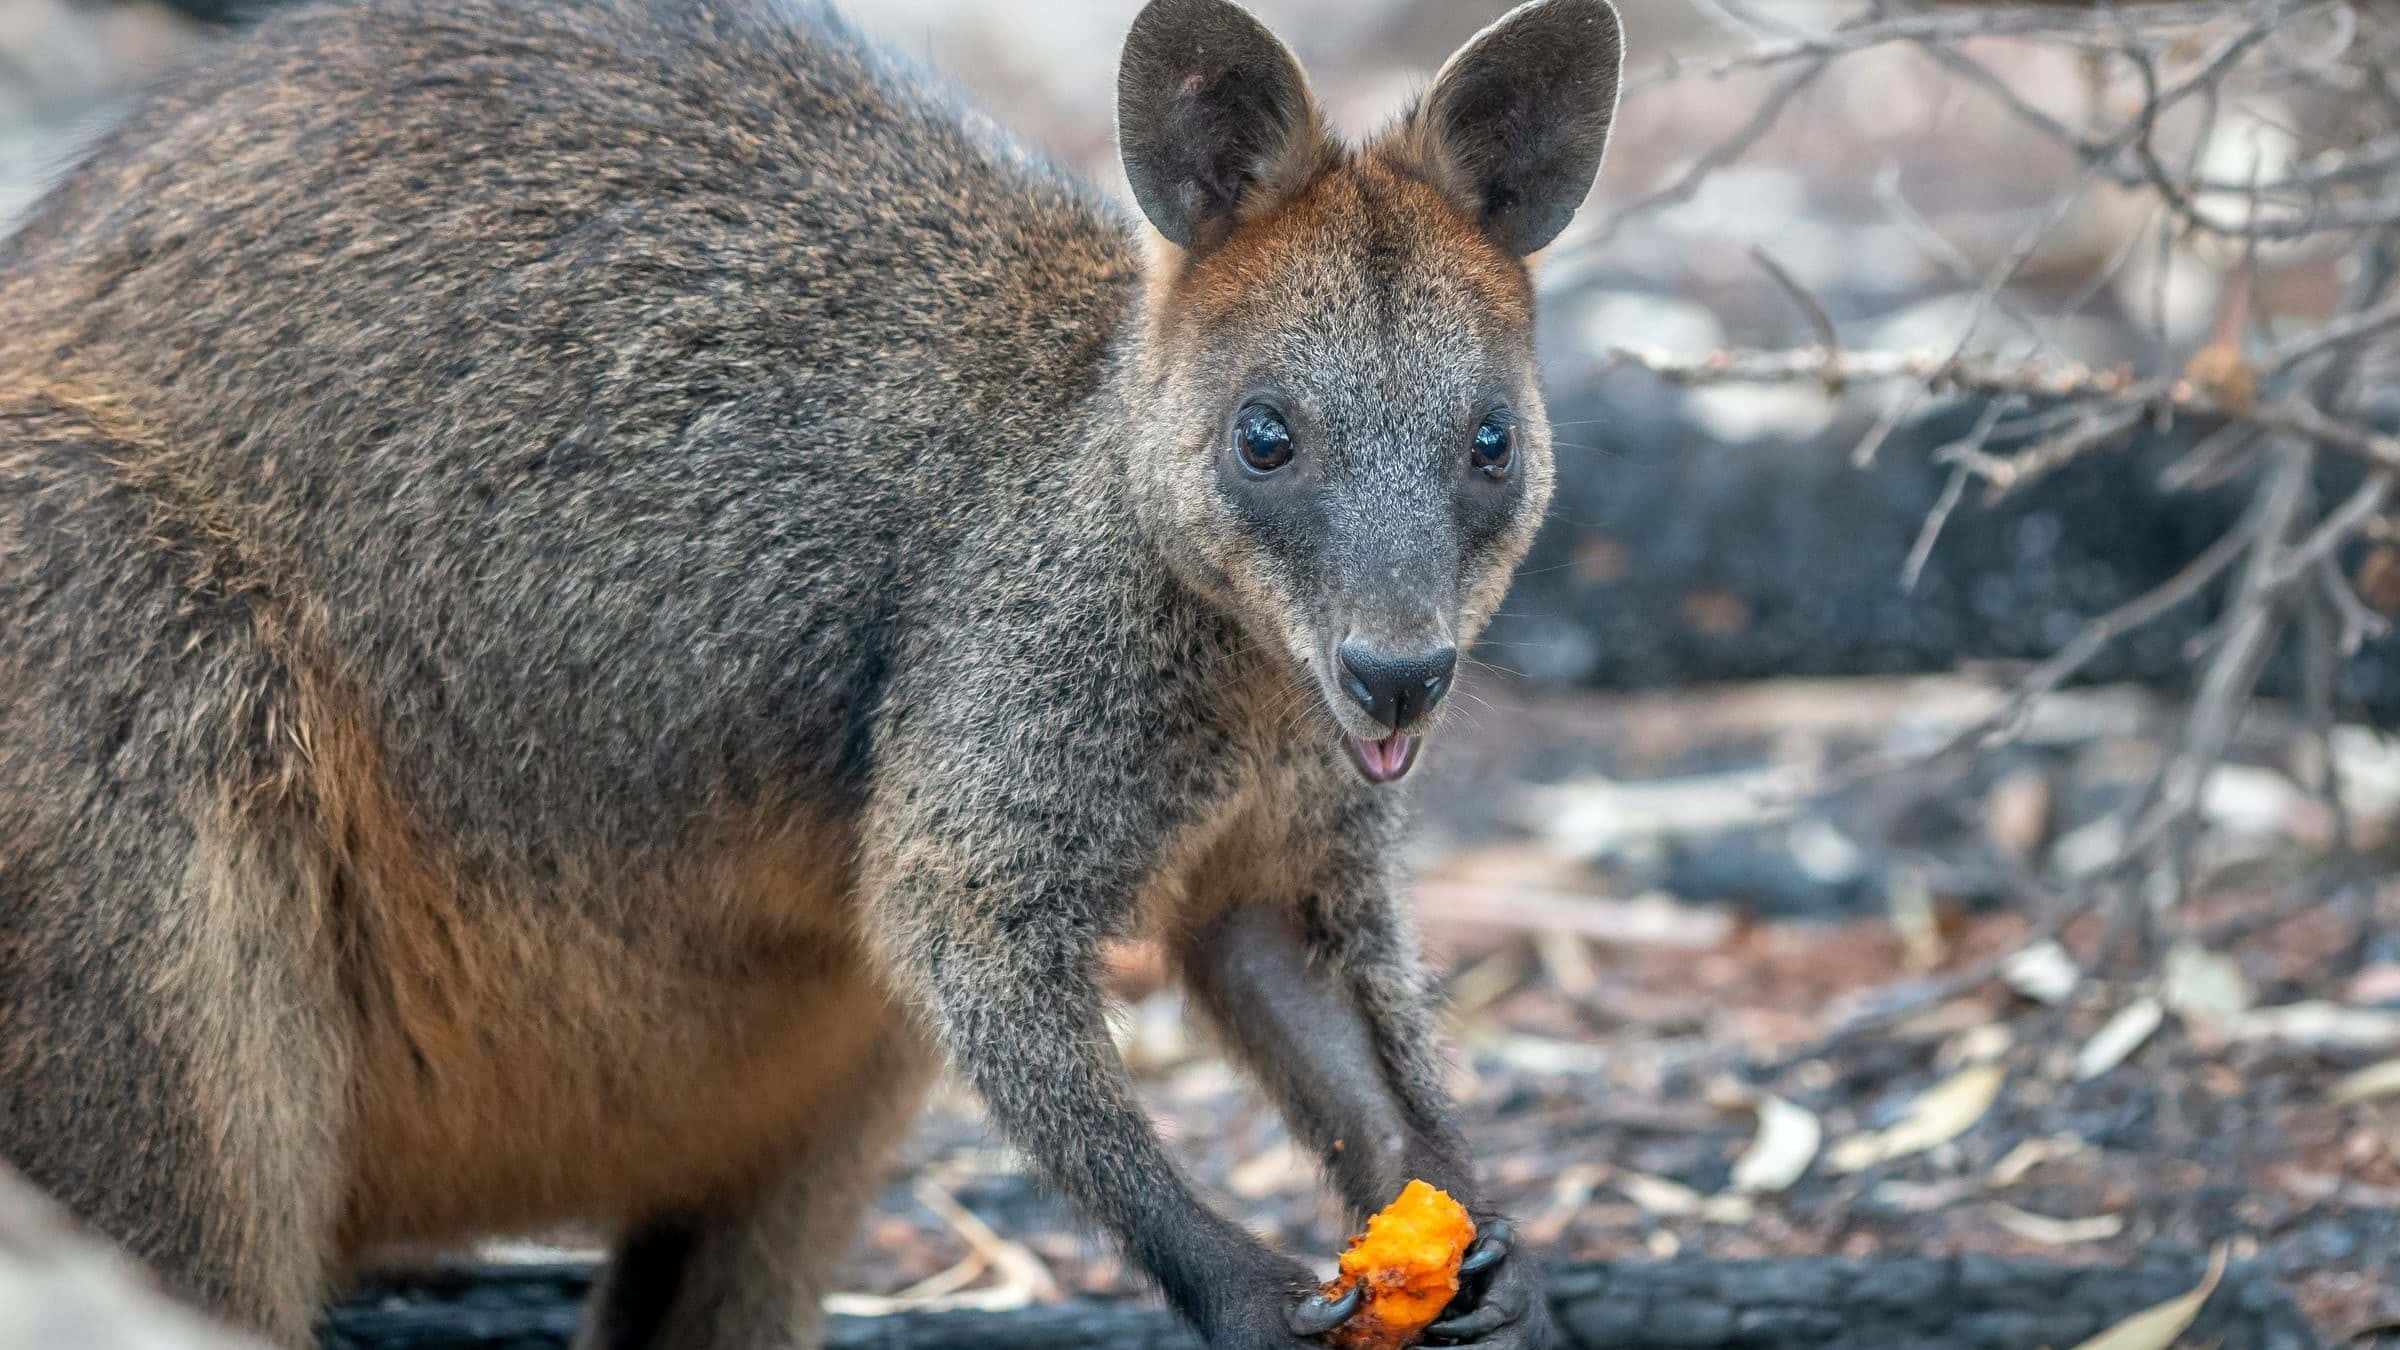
(2282, 412)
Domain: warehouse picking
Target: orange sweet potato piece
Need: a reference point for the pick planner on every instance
(1408, 1259)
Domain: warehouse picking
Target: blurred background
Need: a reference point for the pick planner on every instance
(1928, 790)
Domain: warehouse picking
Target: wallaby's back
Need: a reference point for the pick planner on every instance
(473, 325)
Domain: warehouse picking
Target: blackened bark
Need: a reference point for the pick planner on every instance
(1672, 560)
(1963, 1303)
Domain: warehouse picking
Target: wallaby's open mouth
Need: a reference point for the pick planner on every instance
(1384, 761)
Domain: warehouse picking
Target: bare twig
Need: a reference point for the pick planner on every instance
(1990, 21)
(1686, 184)
(1939, 373)
(2337, 528)
(2334, 334)
(1931, 530)
(2274, 413)
(2358, 623)
(1810, 307)
(2233, 671)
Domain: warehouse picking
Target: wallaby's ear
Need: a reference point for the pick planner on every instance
(1213, 117)
(1516, 121)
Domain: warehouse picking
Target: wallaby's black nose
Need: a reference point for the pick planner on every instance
(1397, 688)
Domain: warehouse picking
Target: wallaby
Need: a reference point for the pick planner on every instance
(591, 591)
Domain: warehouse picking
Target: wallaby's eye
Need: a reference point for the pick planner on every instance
(1495, 445)
(1262, 439)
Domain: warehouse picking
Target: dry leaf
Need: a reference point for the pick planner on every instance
(2378, 579)
(1992, 1040)
(1914, 918)
(2016, 814)
(1824, 852)
(1485, 983)
(1543, 1055)
(1600, 817)
(1659, 1195)
(2090, 848)
(1573, 1186)
(2123, 1035)
(2198, 984)
(1945, 1111)
(2033, 1153)
(2250, 802)
(2316, 1022)
(2370, 1083)
(2220, 371)
(2042, 972)
(1567, 959)
(2056, 1232)
(1922, 1197)
(2156, 1328)
(1786, 1143)
(1676, 1200)
(1951, 1018)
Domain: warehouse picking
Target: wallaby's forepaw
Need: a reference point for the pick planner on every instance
(1274, 1308)
(1318, 1314)
(1499, 1304)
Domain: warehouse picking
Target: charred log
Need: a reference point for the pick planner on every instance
(1670, 559)
(1963, 1303)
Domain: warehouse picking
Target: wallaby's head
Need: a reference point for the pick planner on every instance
(1342, 436)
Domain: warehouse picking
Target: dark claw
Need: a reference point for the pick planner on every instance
(1318, 1314)
(1491, 1247)
(1468, 1326)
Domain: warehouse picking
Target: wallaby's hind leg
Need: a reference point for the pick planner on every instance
(747, 1270)
(168, 1068)
(172, 1018)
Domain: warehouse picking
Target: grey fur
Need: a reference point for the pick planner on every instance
(588, 590)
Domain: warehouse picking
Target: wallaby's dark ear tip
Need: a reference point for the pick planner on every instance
(1518, 120)
(1209, 104)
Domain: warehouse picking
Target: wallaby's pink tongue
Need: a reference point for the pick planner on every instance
(1386, 760)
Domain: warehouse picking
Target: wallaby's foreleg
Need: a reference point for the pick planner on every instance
(1363, 1091)
(748, 1268)
(1332, 1010)
(996, 930)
